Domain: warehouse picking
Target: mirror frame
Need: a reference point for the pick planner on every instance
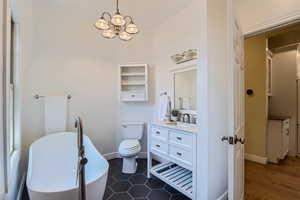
(178, 69)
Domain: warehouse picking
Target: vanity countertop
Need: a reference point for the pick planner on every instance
(282, 118)
(189, 128)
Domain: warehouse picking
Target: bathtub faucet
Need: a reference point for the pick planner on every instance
(82, 160)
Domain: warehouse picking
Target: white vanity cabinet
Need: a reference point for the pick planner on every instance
(176, 146)
(278, 139)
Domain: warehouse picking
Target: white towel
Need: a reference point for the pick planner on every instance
(55, 114)
(164, 108)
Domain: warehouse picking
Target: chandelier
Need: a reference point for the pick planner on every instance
(116, 25)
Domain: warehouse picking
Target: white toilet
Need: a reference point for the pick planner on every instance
(132, 132)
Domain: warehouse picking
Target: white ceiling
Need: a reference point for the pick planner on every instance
(147, 14)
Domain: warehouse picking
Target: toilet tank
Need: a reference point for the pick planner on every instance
(132, 130)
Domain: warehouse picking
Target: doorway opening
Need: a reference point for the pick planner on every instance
(272, 114)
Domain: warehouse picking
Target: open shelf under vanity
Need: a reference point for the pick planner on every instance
(176, 176)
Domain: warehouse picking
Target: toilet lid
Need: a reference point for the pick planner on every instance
(129, 144)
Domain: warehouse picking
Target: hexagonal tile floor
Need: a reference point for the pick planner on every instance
(135, 186)
(140, 186)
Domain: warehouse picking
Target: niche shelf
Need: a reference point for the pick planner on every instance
(134, 82)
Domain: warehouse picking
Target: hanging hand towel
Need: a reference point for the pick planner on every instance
(55, 114)
(164, 108)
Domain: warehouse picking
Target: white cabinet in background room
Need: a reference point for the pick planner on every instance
(176, 146)
(134, 82)
(278, 139)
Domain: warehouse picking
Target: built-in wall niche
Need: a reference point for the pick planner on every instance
(134, 82)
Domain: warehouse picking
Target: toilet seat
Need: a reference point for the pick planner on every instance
(129, 147)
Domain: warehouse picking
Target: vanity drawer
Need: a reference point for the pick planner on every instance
(183, 139)
(159, 133)
(181, 154)
(159, 146)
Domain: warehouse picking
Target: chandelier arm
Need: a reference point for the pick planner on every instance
(130, 18)
(106, 13)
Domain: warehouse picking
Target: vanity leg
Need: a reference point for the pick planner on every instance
(149, 156)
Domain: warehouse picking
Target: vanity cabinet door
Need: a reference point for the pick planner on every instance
(160, 146)
(159, 133)
(181, 154)
(180, 138)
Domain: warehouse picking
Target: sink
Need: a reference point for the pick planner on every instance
(187, 125)
(181, 124)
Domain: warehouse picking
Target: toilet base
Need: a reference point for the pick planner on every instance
(129, 165)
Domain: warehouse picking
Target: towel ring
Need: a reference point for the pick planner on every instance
(39, 96)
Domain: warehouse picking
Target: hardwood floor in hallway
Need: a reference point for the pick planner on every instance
(273, 182)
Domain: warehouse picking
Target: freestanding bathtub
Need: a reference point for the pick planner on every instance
(52, 168)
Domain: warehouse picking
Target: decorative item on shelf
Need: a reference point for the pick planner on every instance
(188, 55)
(116, 25)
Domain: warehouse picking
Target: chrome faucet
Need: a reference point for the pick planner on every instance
(186, 118)
(82, 160)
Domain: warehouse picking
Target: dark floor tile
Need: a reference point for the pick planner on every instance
(159, 195)
(179, 197)
(111, 180)
(115, 162)
(121, 186)
(171, 190)
(139, 191)
(108, 192)
(121, 176)
(138, 179)
(120, 196)
(141, 166)
(155, 183)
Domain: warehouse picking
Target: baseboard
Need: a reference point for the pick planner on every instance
(255, 158)
(110, 156)
(22, 186)
(113, 155)
(224, 196)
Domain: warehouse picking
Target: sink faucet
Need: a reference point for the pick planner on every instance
(186, 118)
(82, 160)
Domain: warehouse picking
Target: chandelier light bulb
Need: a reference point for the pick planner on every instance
(102, 24)
(125, 36)
(118, 20)
(108, 34)
(131, 28)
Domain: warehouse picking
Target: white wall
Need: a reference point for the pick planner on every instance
(256, 14)
(284, 92)
(2, 189)
(69, 58)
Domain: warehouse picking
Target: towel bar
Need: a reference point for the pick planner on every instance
(39, 96)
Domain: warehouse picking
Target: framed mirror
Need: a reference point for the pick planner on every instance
(185, 89)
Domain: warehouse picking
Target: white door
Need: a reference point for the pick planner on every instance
(237, 109)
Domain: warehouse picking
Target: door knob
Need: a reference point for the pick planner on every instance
(229, 139)
(240, 140)
(233, 140)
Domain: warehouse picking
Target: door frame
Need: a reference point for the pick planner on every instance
(204, 138)
(270, 25)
